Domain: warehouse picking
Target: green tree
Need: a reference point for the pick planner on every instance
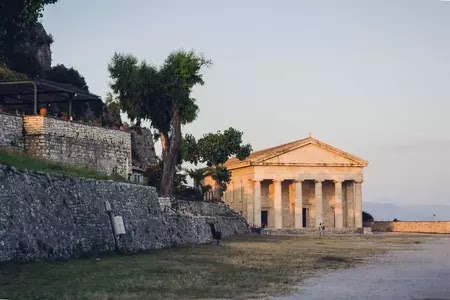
(198, 175)
(215, 149)
(18, 19)
(62, 74)
(162, 96)
(111, 113)
(367, 218)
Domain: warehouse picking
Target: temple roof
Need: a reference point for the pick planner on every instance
(262, 156)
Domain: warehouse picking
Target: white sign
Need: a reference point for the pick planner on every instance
(119, 227)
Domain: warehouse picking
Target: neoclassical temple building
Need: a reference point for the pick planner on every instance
(298, 185)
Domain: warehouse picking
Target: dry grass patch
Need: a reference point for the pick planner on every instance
(240, 268)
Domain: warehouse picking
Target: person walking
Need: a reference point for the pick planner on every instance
(321, 229)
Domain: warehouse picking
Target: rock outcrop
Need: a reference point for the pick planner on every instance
(41, 43)
(142, 148)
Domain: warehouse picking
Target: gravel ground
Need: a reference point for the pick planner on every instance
(423, 273)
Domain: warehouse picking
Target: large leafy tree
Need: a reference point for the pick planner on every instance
(18, 19)
(162, 96)
(215, 149)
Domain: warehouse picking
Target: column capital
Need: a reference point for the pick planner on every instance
(359, 181)
(277, 180)
(318, 180)
(337, 180)
(298, 180)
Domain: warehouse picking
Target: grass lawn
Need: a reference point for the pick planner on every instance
(239, 268)
(22, 161)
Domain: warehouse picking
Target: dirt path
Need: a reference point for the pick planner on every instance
(423, 273)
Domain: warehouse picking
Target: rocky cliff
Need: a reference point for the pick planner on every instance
(41, 42)
(142, 148)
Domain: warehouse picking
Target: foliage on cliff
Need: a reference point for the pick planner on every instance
(25, 45)
(61, 73)
(22, 36)
(7, 74)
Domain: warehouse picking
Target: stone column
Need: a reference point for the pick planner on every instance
(338, 208)
(231, 192)
(358, 205)
(278, 208)
(248, 197)
(350, 198)
(257, 202)
(319, 203)
(298, 210)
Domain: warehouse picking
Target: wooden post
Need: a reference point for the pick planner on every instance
(70, 107)
(35, 98)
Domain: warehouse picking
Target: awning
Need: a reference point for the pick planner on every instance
(41, 91)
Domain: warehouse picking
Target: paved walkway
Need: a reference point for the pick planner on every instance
(412, 274)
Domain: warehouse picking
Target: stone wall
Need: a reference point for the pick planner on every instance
(104, 150)
(11, 136)
(45, 216)
(203, 208)
(411, 226)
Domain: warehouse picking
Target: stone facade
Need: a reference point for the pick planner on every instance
(104, 150)
(297, 185)
(11, 135)
(412, 226)
(46, 216)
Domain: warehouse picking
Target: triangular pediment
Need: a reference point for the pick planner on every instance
(310, 154)
(307, 152)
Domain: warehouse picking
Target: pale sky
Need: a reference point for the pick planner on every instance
(369, 77)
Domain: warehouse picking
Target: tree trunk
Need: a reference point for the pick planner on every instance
(197, 184)
(170, 155)
(217, 191)
(164, 137)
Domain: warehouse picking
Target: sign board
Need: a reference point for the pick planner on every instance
(119, 227)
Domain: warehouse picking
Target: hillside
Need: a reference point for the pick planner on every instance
(413, 212)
